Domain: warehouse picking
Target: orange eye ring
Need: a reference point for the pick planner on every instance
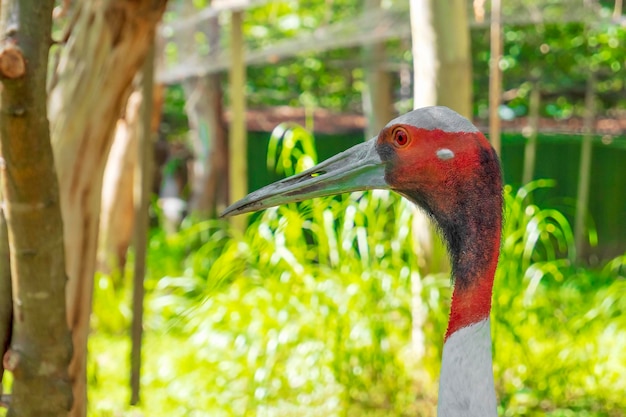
(400, 137)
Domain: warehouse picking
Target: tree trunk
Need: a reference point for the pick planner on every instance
(209, 138)
(617, 10)
(6, 297)
(377, 94)
(530, 149)
(495, 76)
(441, 57)
(454, 72)
(237, 144)
(117, 208)
(117, 214)
(584, 171)
(442, 76)
(209, 141)
(142, 187)
(106, 46)
(41, 345)
(424, 45)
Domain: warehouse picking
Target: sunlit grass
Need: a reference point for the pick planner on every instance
(309, 313)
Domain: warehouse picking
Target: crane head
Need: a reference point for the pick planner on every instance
(439, 160)
(433, 156)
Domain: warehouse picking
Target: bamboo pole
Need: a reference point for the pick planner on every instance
(495, 76)
(582, 199)
(238, 147)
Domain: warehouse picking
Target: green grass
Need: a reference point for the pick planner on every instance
(309, 313)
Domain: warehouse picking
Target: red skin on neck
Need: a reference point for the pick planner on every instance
(454, 186)
(473, 304)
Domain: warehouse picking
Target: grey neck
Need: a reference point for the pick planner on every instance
(466, 385)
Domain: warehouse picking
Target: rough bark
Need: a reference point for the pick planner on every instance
(105, 47)
(41, 345)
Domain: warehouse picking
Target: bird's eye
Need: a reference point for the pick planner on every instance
(401, 137)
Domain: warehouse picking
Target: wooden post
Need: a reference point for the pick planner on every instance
(495, 76)
(142, 188)
(238, 146)
(442, 75)
(530, 149)
(208, 135)
(454, 58)
(376, 97)
(582, 199)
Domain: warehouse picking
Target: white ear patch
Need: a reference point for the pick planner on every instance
(444, 154)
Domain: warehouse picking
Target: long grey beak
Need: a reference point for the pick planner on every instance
(358, 168)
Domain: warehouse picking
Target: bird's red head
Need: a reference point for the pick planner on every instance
(439, 160)
(430, 160)
(453, 173)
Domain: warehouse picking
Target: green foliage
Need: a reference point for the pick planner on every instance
(291, 149)
(174, 121)
(309, 312)
(558, 328)
(560, 55)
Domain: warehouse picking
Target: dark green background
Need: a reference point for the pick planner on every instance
(558, 158)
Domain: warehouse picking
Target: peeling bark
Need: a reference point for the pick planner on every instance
(106, 46)
(117, 215)
(118, 208)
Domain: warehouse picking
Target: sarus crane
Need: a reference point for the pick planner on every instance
(440, 161)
